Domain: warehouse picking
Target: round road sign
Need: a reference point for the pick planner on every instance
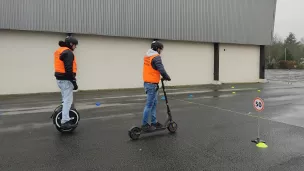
(258, 104)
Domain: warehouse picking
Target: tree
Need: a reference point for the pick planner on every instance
(293, 47)
(291, 39)
(275, 50)
(290, 46)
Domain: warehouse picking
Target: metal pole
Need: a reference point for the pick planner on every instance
(259, 126)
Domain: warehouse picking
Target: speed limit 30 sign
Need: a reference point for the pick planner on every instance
(258, 104)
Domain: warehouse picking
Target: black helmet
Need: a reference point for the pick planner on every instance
(156, 45)
(70, 39)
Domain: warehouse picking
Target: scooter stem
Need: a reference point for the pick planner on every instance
(164, 91)
(165, 94)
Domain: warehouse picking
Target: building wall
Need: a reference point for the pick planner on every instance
(226, 21)
(103, 62)
(239, 63)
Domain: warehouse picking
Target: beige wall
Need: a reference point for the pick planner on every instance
(26, 62)
(103, 62)
(239, 63)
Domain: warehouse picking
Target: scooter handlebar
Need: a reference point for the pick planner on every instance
(163, 80)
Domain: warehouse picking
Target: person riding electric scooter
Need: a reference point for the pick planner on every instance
(65, 72)
(152, 70)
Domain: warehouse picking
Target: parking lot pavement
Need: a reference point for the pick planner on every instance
(215, 129)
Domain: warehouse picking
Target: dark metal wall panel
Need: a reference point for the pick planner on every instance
(225, 21)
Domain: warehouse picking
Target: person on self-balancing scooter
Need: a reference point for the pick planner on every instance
(153, 69)
(66, 117)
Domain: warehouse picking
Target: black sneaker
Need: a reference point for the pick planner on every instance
(145, 127)
(67, 125)
(157, 125)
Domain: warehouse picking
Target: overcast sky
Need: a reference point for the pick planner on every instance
(289, 18)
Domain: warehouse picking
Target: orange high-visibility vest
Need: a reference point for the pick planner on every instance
(150, 75)
(58, 64)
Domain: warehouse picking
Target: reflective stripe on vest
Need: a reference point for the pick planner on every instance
(59, 65)
(150, 75)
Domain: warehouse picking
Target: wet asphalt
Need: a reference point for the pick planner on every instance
(215, 129)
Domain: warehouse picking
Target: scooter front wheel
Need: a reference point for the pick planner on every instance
(134, 133)
(172, 127)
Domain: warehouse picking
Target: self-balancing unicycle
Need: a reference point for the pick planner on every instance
(57, 115)
(135, 131)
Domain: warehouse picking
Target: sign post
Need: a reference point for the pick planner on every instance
(259, 105)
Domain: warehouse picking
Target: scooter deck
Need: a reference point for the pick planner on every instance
(150, 131)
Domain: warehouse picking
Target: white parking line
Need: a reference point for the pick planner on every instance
(50, 109)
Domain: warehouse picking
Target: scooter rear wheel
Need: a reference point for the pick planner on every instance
(134, 133)
(172, 127)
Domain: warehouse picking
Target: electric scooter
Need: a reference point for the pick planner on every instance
(57, 115)
(135, 131)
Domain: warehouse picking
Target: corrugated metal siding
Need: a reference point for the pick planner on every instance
(227, 21)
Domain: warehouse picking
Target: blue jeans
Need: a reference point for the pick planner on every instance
(67, 98)
(151, 102)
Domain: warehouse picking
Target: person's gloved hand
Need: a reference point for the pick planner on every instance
(168, 78)
(74, 84)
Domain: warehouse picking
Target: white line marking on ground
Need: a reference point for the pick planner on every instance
(112, 116)
(171, 93)
(44, 124)
(50, 108)
(33, 110)
(215, 107)
(210, 97)
(22, 127)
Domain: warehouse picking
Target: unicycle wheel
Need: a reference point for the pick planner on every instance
(134, 133)
(74, 115)
(172, 127)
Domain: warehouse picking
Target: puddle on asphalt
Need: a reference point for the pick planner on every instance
(290, 115)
